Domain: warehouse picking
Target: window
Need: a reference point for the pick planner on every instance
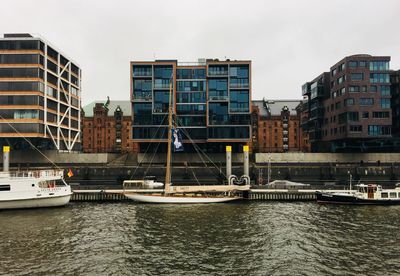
(353, 64)
(385, 103)
(239, 101)
(384, 195)
(383, 114)
(375, 130)
(342, 91)
(379, 78)
(356, 76)
(393, 195)
(353, 116)
(366, 101)
(341, 79)
(373, 88)
(364, 88)
(385, 90)
(354, 88)
(348, 102)
(379, 65)
(356, 128)
(338, 105)
(4, 188)
(341, 67)
(218, 89)
(362, 64)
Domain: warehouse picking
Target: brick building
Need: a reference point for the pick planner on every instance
(278, 126)
(107, 127)
(354, 112)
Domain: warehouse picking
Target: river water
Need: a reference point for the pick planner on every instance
(248, 238)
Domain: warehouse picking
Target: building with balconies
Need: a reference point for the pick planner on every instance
(211, 101)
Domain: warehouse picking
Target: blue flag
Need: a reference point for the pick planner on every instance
(177, 142)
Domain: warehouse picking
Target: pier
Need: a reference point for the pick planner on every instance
(113, 195)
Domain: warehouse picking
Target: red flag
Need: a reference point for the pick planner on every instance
(70, 173)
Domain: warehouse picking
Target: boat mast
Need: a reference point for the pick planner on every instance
(168, 169)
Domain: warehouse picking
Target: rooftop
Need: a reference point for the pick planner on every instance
(112, 106)
(274, 107)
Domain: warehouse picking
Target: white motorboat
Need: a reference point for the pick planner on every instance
(33, 189)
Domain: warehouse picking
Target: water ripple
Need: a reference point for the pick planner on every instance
(226, 239)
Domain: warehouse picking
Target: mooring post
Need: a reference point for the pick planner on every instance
(6, 158)
(246, 160)
(228, 162)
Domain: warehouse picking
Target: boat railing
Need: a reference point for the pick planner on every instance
(36, 174)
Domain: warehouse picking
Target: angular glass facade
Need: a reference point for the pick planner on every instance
(45, 87)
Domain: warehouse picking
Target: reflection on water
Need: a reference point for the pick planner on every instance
(235, 239)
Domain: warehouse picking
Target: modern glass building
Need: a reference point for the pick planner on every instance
(40, 90)
(211, 99)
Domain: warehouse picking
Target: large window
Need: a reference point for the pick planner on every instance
(218, 113)
(218, 70)
(142, 89)
(141, 70)
(239, 101)
(21, 86)
(191, 108)
(19, 59)
(161, 101)
(356, 76)
(19, 45)
(379, 78)
(191, 74)
(382, 114)
(218, 89)
(239, 76)
(142, 114)
(366, 101)
(20, 73)
(385, 90)
(191, 86)
(375, 130)
(162, 76)
(385, 103)
(348, 102)
(191, 120)
(190, 97)
(19, 100)
(379, 65)
(228, 132)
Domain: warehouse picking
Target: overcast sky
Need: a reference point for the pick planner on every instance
(289, 42)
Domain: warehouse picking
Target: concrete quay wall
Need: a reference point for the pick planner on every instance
(303, 157)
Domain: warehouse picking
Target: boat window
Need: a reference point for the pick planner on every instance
(399, 195)
(4, 188)
(384, 195)
(393, 195)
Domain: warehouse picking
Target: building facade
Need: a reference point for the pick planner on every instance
(107, 127)
(278, 126)
(395, 91)
(211, 100)
(40, 95)
(354, 113)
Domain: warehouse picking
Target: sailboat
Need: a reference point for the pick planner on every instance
(185, 194)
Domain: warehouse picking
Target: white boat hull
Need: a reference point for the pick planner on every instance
(174, 199)
(53, 201)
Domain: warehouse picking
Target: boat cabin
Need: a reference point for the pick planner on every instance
(373, 191)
